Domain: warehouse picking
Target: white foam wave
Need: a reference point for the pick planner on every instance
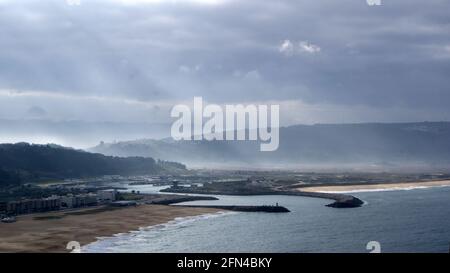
(109, 244)
(387, 189)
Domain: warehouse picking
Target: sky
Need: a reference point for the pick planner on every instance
(131, 61)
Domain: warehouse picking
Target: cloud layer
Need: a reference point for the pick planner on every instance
(86, 61)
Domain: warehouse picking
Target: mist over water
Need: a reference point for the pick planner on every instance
(421, 146)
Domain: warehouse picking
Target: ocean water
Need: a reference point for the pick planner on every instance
(415, 220)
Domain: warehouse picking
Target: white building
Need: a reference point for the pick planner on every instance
(106, 196)
(82, 200)
(68, 201)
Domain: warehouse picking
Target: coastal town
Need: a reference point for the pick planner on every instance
(111, 190)
(84, 209)
(69, 194)
(9, 209)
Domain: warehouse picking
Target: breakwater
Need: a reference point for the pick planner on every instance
(174, 199)
(340, 200)
(156, 199)
(270, 209)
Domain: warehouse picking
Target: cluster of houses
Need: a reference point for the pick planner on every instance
(57, 202)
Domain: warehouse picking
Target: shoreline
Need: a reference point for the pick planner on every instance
(50, 232)
(98, 246)
(374, 187)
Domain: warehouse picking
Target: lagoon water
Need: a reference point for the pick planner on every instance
(401, 221)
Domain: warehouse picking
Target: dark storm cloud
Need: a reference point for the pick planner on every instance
(341, 53)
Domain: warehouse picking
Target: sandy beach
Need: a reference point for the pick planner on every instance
(376, 187)
(50, 232)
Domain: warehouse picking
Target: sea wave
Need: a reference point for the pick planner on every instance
(387, 189)
(121, 240)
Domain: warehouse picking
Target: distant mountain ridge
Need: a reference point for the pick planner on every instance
(78, 133)
(365, 143)
(25, 162)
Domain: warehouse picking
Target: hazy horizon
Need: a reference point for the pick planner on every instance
(84, 135)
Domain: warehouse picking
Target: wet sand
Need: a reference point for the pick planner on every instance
(50, 232)
(375, 187)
